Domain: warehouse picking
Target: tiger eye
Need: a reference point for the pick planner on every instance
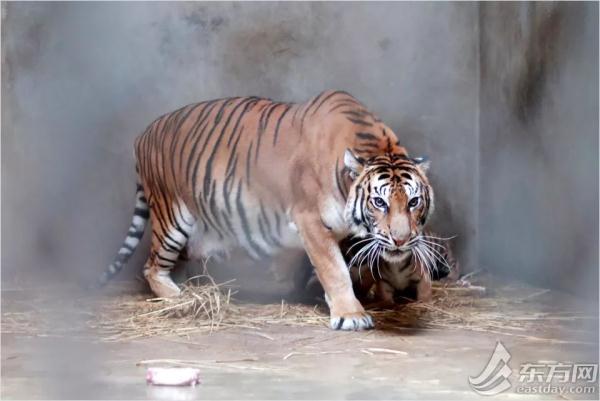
(413, 202)
(379, 202)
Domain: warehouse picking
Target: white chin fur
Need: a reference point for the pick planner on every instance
(396, 257)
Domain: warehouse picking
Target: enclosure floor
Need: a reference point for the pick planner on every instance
(59, 356)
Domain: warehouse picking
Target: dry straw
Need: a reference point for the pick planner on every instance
(199, 309)
(209, 307)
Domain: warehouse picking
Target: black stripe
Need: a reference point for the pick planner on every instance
(343, 103)
(143, 213)
(209, 164)
(370, 145)
(228, 223)
(357, 113)
(295, 113)
(212, 205)
(338, 174)
(306, 112)
(244, 222)
(262, 126)
(205, 146)
(327, 98)
(198, 133)
(312, 103)
(279, 123)
(366, 135)
(262, 230)
(249, 105)
(175, 138)
(165, 244)
(360, 122)
(207, 218)
(165, 259)
(227, 184)
(268, 227)
(248, 156)
(232, 155)
(202, 117)
(164, 266)
(277, 224)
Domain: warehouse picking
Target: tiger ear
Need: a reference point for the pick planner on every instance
(423, 162)
(353, 163)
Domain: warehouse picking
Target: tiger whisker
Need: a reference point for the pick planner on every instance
(433, 243)
(363, 258)
(437, 256)
(440, 257)
(362, 241)
(375, 260)
(360, 252)
(439, 238)
(360, 255)
(378, 257)
(383, 239)
(419, 259)
(416, 259)
(370, 261)
(431, 261)
(359, 275)
(412, 241)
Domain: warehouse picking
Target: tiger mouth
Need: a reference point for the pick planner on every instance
(396, 251)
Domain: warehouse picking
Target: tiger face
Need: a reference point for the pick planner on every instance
(389, 203)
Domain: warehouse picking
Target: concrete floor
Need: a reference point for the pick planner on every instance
(49, 352)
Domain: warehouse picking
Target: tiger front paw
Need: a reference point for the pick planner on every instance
(352, 321)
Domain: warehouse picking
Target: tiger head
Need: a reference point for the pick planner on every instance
(389, 202)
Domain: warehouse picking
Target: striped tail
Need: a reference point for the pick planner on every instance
(136, 231)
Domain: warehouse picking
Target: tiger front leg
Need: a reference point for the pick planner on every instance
(346, 312)
(424, 289)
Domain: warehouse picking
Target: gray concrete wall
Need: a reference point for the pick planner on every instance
(81, 80)
(538, 212)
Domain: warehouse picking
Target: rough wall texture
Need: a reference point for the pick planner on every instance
(81, 80)
(538, 210)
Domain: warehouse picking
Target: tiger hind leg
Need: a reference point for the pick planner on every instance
(169, 239)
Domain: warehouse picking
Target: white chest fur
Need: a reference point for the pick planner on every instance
(332, 214)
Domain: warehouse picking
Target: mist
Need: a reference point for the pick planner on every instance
(510, 125)
(81, 81)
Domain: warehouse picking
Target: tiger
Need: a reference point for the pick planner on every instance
(262, 175)
(378, 283)
(409, 279)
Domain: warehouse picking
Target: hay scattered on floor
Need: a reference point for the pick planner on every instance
(200, 309)
(22, 323)
(209, 307)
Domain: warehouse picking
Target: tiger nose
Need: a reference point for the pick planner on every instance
(399, 241)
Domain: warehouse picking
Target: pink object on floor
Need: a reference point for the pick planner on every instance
(173, 376)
